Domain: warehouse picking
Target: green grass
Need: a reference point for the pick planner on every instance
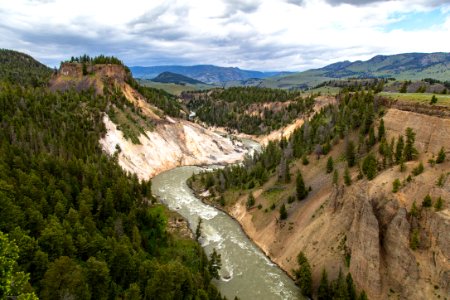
(174, 89)
(423, 98)
(273, 194)
(325, 90)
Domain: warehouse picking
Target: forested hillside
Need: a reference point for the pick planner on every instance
(251, 110)
(326, 203)
(356, 111)
(169, 77)
(20, 68)
(71, 218)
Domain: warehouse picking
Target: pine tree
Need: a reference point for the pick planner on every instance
(250, 200)
(410, 152)
(330, 165)
(214, 264)
(351, 289)
(396, 185)
(340, 287)
(438, 204)
(347, 178)
(335, 177)
(350, 154)
(381, 130)
(283, 212)
(302, 192)
(441, 156)
(323, 292)
(399, 150)
(402, 164)
(404, 87)
(198, 230)
(371, 140)
(433, 100)
(415, 240)
(363, 296)
(369, 166)
(13, 284)
(303, 275)
(414, 211)
(418, 170)
(427, 202)
(287, 174)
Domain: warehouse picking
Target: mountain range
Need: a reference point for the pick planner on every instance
(406, 66)
(204, 73)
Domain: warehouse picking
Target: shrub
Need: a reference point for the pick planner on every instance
(330, 165)
(283, 212)
(414, 211)
(418, 170)
(347, 178)
(427, 202)
(250, 200)
(396, 185)
(433, 100)
(439, 204)
(441, 156)
(441, 180)
(305, 160)
(414, 242)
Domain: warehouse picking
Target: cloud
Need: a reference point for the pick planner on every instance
(253, 34)
(354, 2)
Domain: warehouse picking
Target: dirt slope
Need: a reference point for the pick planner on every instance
(365, 222)
(173, 143)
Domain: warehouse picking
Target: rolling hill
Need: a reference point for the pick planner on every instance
(204, 73)
(411, 66)
(21, 68)
(169, 77)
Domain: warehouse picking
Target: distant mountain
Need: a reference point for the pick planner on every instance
(21, 68)
(169, 77)
(414, 66)
(204, 73)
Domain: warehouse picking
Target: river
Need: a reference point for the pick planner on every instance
(246, 272)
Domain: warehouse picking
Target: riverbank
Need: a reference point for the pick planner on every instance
(201, 194)
(246, 271)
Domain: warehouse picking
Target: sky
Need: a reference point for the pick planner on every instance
(276, 35)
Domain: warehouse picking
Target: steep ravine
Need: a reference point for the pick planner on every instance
(368, 223)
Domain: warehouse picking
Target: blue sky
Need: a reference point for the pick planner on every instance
(418, 20)
(287, 35)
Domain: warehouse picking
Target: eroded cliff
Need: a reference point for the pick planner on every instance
(366, 228)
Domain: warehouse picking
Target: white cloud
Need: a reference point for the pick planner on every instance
(253, 34)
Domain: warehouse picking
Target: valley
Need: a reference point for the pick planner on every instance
(354, 184)
(225, 150)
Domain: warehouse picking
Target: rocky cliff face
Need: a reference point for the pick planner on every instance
(378, 231)
(70, 75)
(173, 143)
(169, 143)
(432, 132)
